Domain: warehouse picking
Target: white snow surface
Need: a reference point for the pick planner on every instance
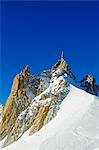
(76, 126)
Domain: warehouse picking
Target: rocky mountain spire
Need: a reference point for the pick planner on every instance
(17, 101)
(61, 64)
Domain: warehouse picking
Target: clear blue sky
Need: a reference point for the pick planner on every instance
(35, 34)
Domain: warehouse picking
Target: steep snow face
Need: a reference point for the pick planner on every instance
(81, 130)
(76, 126)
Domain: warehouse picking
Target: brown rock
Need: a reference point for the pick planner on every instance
(26, 71)
(15, 85)
(39, 120)
(9, 109)
(12, 108)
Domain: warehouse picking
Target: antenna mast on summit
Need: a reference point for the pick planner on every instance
(62, 56)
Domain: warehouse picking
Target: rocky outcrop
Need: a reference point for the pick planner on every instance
(39, 120)
(25, 87)
(17, 101)
(60, 65)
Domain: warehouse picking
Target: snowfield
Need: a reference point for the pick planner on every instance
(76, 126)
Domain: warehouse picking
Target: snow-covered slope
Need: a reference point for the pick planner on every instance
(76, 126)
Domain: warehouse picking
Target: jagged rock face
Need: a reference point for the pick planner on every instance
(60, 65)
(17, 101)
(39, 119)
(22, 92)
(33, 102)
(41, 82)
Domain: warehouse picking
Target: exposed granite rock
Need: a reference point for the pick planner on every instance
(14, 105)
(39, 120)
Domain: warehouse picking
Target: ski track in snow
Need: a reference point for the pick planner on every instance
(76, 126)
